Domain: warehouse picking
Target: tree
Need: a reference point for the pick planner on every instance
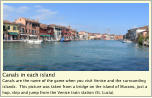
(140, 40)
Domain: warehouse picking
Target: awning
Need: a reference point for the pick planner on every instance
(45, 35)
(12, 33)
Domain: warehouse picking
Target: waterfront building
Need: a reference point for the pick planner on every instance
(67, 33)
(83, 35)
(86, 36)
(118, 37)
(112, 36)
(46, 32)
(32, 27)
(50, 32)
(75, 34)
(23, 35)
(91, 36)
(10, 30)
(80, 36)
(98, 36)
(131, 35)
(134, 33)
(57, 32)
(145, 34)
(144, 31)
(106, 36)
(103, 36)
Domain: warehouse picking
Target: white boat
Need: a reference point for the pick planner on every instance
(25, 40)
(127, 41)
(34, 41)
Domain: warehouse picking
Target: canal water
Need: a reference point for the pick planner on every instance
(92, 55)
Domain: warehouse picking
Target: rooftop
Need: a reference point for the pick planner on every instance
(30, 20)
(8, 22)
(144, 27)
(43, 26)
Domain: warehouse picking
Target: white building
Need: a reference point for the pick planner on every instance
(83, 35)
(134, 33)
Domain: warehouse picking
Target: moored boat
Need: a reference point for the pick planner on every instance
(66, 40)
(126, 41)
(34, 41)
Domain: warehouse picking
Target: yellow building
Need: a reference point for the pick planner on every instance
(10, 30)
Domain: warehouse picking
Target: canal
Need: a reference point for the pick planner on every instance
(91, 55)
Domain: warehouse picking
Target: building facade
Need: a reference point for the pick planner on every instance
(11, 30)
(118, 37)
(83, 35)
(134, 33)
(32, 27)
(23, 35)
(46, 32)
(57, 32)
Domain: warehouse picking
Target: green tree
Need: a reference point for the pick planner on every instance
(147, 38)
(140, 40)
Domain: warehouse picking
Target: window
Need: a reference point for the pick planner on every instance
(18, 28)
(8, 28)
(4, 29)
(23, 30)
(14, 27)
(33, 32)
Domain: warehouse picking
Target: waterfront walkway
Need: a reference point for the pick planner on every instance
(13, 40)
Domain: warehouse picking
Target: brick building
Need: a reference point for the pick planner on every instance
(32, 27)
(46, 32)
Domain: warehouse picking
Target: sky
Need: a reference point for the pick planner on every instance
(113, 18)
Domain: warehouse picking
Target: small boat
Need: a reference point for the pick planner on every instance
(25, 40)
(34, 41)
(126, 41)
(62, 39)
(66, 40)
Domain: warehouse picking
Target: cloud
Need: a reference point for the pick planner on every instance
(9, 12)
(22, 9)
(43, 13)
(12, 9)
(35, 12)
